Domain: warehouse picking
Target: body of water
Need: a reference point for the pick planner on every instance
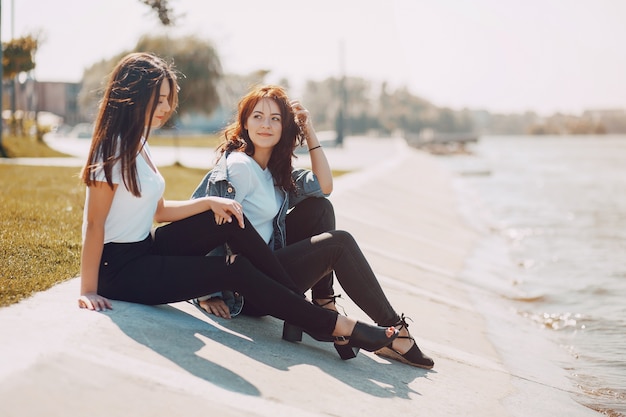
(550, 260)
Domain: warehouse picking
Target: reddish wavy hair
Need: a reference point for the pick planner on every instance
(236, 137)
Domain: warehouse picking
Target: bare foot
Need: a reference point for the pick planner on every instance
(216, 306)
(343, 327)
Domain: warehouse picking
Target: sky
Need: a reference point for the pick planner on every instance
(498, 55)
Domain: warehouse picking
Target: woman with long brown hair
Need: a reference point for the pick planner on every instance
(255, 169)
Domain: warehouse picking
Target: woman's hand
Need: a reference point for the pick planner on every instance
(216, 306)
(224, 208)
(93, 301)
(302, 116)
(319, 162)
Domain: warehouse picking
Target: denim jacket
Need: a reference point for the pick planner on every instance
(215, 183)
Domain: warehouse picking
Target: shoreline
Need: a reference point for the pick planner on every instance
(172, 359)
(535, 273)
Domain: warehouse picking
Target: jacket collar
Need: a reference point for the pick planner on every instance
(220, 170)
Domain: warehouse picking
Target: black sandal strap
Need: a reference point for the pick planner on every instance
(331, 299)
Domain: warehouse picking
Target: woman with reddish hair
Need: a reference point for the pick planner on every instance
(255, 169)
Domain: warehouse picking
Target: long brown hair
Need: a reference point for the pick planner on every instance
(236, 137)
(130, 98)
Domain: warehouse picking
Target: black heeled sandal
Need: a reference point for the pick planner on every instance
(414, 356)
(365, 336)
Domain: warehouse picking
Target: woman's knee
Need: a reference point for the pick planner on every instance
(325, 208)
(344, 237)
(316, 205)
(240, 267)
(311, 216)
(323, 204)
(338, 239)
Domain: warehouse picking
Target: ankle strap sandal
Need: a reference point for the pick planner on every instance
(414, 356)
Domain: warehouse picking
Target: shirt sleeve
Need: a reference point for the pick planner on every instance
(116, 173)
(241, 176)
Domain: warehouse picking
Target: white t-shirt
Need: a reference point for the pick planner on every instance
(130, 218)
(255, 190)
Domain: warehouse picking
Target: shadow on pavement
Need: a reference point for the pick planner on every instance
(178, 336)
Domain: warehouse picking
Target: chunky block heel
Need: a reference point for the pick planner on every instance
(346, 352)
(292, 333)
(363, 336)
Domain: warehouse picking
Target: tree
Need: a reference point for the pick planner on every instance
(17, 56)
(323, 102)
(3, 153)
(199, 64)
(195, 59)
(162, 9)
(235, 86)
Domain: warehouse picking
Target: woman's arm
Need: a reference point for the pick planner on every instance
(319, 162)
(223, 208)
(98, 206)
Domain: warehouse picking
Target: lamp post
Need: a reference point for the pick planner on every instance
(340, 122)
(3, 154)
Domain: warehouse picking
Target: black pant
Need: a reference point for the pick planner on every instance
(311, 260)
(311, 217)
(308, 218)
(173, 268)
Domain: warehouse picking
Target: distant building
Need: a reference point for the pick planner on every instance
(59, 98)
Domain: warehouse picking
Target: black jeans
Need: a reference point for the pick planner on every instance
(311, 261)
(312, 216)
(173, 267)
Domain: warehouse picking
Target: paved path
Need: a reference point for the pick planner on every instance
(171, 360)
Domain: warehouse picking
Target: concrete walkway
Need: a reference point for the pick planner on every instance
(172, 360)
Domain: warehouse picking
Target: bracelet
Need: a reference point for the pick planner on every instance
(315, 147)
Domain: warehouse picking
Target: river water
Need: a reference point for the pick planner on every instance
(550, 213)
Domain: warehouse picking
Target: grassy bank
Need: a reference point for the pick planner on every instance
(41, 220)
(27, 147)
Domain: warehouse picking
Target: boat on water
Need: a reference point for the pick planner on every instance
(441, 143)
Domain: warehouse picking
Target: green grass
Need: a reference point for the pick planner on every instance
(41, 217)
(27, 147)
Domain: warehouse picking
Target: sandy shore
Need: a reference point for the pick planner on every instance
(57, 360)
